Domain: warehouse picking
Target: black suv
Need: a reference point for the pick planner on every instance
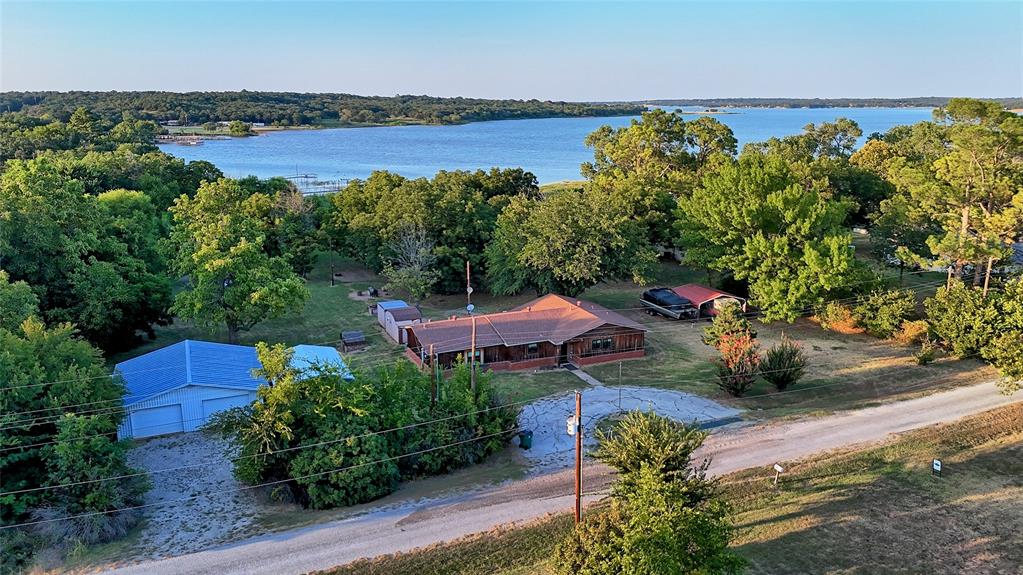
(664, 301)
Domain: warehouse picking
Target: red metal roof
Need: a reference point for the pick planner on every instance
(700, 295)
(552, 318)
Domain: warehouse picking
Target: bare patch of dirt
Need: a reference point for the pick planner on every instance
(213, 509)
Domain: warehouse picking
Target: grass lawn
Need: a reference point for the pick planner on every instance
(875, 510)
(526, 385)
(327, 311)
(844, 370)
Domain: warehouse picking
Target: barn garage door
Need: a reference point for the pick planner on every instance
(211, 406)
(157, 421)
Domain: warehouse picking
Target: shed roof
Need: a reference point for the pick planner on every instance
(391, 304)
(189, 362)
(310, 357)
(700, 295)
(552, 318)
(405, 313)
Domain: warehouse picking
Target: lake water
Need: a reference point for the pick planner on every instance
(551, 148)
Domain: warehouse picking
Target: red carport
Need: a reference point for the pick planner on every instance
(708, 299)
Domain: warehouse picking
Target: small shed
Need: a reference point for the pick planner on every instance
(396, 320)
(383, 306)
(708, 300)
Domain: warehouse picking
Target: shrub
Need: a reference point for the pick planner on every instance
(728, 321)
(912, 332)
(83, 453)
(783, 364)
(340, 416)
(927, 353)
(882, 312)
(664, 515)
(643, 438)
(837, 317)
(963, 320)
(739, 363)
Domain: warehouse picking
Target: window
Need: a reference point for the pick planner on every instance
(602, 345)
(532, 349)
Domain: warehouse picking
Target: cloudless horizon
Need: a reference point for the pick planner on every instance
(562, 51)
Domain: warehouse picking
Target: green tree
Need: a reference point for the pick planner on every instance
(239, 128)
(962, 318)
(412, 271)
(957, 183)
(85, 262)
(664, 517)
(758, 220)
(646, 166)
(218, 243)
(44, 373)
(84, 457)
(1005, 348)
(731, 321)
(565, 243)
(17, 302)
(882, 312)
(458, 210)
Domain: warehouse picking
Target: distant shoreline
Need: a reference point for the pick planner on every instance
(795, 103)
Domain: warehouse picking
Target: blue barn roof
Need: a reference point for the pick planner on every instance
(189, 362)
(392, 304)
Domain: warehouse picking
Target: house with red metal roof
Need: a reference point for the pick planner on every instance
(546, 332)
(708, 300)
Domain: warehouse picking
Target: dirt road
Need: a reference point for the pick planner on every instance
(378, 533)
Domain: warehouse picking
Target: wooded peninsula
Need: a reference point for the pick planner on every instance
(298, 109)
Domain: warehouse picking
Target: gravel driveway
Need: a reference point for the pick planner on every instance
(189, 526)
(552, 446)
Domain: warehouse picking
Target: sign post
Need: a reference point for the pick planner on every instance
(936, 468)
(778, 470)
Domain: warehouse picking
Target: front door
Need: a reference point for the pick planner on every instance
(563, 354)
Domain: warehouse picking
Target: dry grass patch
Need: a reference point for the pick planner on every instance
(872, 511)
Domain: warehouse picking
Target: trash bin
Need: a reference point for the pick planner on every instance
(526, 439)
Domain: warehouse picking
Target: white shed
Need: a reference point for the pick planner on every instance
(395, 321)
(383, 306)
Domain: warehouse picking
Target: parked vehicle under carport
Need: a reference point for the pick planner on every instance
(665, 302)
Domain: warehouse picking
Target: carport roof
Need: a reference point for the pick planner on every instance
(189, 362)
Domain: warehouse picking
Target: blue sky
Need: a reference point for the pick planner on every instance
(570, 50)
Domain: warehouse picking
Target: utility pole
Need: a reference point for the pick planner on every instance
(433, 378)
(472, 356)
(468, 285)
(987, 275)
(472, 344)
(578, 456)
(619, 387)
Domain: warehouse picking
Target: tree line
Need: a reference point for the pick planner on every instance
(295, 109)
(921, 102)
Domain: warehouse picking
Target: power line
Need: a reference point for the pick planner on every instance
(285, 450)
(115, 409)
(805, 311)
(266, 484)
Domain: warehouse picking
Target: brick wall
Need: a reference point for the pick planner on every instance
(606, 357)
